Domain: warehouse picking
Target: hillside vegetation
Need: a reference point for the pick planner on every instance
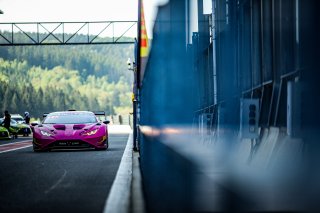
(42, 79)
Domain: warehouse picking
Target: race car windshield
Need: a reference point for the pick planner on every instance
(18, 119)
(68, 118)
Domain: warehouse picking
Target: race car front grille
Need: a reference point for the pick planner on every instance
(70, 144)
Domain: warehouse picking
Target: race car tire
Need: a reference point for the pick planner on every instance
(105, 148)
(35, 149)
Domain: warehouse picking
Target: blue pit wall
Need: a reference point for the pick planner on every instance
(193, 166)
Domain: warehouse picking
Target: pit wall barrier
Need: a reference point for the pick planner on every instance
(182, 172)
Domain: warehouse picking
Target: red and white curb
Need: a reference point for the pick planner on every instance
(15, 146)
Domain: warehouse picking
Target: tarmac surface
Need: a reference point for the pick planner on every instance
(71, 181)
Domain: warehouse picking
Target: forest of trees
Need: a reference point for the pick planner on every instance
(42, 79)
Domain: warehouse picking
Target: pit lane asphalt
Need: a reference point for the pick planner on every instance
(59, 181)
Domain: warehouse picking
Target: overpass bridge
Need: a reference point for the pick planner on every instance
(66, 33)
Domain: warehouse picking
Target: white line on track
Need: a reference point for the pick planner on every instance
(15, 149)
(18, 142)
(118, 200)
(57, 183)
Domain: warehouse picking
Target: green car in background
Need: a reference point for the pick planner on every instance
(24, 129)
(18, 118)
(16, 129)
(4, 134)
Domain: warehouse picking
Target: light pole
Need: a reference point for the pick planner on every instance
(133, 67)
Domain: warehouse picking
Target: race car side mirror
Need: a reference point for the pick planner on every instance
(106, 122)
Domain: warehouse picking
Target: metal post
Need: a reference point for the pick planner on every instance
(136, 70)
(134, 105)
(135, 125)
(139, 45)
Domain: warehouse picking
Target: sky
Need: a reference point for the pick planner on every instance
(77, 10)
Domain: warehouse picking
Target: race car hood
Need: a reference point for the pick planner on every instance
(3, 128)
(21, 125)
(69, 127)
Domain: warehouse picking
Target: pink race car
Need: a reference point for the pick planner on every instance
(70, 129)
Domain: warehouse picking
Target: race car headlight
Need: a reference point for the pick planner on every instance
(92, 132)
(46, 133)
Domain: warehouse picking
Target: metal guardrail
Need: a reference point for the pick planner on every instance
(65, 33)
